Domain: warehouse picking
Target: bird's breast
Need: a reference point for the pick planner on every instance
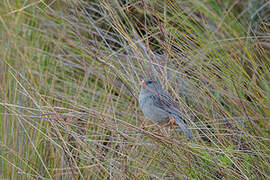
(151, 111)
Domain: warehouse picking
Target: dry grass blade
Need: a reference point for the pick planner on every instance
(70, 73)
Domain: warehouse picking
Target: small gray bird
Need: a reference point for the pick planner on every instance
(159, 107)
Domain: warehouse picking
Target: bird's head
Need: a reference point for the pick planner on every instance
(150, 85)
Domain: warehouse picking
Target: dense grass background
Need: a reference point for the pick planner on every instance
(69, 82)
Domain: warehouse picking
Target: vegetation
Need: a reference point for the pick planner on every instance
(69, 82)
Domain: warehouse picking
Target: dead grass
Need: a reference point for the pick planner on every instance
(69, 84)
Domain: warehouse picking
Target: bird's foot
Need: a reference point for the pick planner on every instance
(172, 121)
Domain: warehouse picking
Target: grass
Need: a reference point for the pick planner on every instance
(70, 73)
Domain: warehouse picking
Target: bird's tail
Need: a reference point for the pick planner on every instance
(182, 126)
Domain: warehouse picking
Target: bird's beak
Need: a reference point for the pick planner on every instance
(143, 83)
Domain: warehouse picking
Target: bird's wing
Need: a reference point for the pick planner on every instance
(164, 102)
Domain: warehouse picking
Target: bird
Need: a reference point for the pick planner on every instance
(158, 106)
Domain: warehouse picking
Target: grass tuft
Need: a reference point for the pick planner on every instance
(70, 73)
